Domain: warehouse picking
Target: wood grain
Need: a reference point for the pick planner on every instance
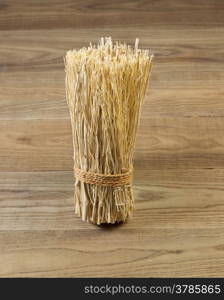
(96, 13)
(177, 229)
(162, 143)
(32, 77)
(44, 200)
(37, 253)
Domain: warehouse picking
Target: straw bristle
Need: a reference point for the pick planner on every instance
(105, 86)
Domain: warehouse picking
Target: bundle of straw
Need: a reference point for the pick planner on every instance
(105, 87)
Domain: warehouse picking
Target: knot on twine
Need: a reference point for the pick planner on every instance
(103, 179)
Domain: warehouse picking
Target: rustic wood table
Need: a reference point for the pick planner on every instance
(178, 225)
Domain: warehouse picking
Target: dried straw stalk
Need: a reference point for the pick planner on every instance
(105, 87)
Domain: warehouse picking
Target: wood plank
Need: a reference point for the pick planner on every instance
(186, 102)
(66, 14)
(35, 145)
(33, 95)
(47, 102)
(160, 252)
(50, 103)
(36, 50)
(62, 180)
(187, 77)
(171, 199)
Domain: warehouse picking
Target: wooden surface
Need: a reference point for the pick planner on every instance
(178, 225)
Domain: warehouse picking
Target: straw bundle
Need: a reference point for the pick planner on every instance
(105, 86)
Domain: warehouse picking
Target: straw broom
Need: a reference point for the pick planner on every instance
(105, 87)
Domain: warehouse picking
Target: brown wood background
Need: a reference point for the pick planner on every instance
(178, 225)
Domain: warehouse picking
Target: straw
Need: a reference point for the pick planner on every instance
(105, 88)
